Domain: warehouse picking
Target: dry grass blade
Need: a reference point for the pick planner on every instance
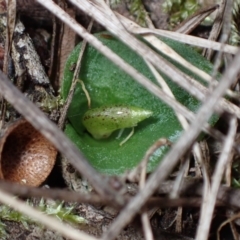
(188, 39)
(180, 79)
(168, 91)
(56, 194)
(117, 60)
(177, 151)
(100, 11)
(216, 28)
(148, 34)
(74, 82)
(36, 215)
(226, 30)
(205, 219)
(162, 47)
(230, 220)
(213, 102)
(39, 120)
(143, 165)
(193, 21)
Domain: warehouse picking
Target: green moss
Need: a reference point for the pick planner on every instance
(3, 233)
(235, 28)
(179, 10)
(64, 212)
(137, 10)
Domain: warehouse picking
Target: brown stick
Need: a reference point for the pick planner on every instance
(56, 137)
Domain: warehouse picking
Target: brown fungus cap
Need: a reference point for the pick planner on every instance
(26, 157)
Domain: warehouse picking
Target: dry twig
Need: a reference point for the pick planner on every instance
(48, 221)
(177, 151)
(39, 120)
(207, 210)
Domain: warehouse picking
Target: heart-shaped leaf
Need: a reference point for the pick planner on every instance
(109, 85)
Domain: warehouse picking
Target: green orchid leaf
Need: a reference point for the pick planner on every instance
(108, 85)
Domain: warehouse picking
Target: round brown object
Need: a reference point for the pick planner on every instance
(26, 156)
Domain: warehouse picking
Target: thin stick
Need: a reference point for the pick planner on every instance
(86, 92)
(168, 91)
(163, 47)
(207, 212)
(53, 43)
(74, 81)
(135, 174)
(177, 151)
(226, 30)
(188, 39)
(194, 20)
(53, 193)
(101, 12)
(196, 148)
(115, 58)
(226, 195)
(144, 216)
(48, 129)
(127, 138)
(48, 221)
(234, 217)
(216, 28)
(126, 67)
